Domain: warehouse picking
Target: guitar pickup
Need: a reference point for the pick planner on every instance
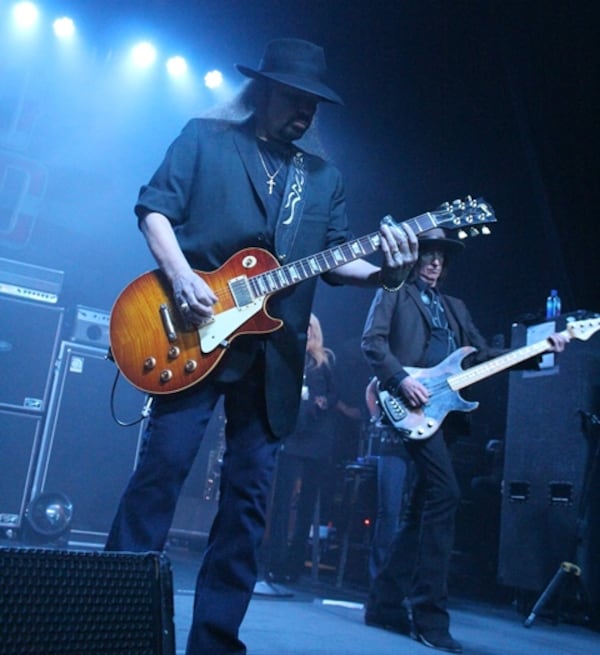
(167, 321)
(241, 291)
(394, 409)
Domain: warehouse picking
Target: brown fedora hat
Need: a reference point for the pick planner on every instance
(436, 239)
(296, 63)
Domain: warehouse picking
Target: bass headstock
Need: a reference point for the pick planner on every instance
(583, 330)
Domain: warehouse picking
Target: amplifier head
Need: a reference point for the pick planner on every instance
(91, 326)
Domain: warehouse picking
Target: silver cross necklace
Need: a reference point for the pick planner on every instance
(271, 176)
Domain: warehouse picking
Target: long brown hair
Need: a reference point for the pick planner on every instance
(314, 344)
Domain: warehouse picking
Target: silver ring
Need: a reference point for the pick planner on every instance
(184, 306)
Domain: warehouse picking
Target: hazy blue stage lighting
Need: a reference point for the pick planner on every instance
(213, 79)
(25, 14)
(144, 54)
(63, 27)
(176, 66)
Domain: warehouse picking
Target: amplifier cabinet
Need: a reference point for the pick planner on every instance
(199, 499)
(19, 441)
(548, 455)
(29, 336)
(85, 454)
(85, 603)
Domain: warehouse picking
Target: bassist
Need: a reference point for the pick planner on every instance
(420, 327)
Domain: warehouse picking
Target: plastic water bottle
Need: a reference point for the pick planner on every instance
(553, 305)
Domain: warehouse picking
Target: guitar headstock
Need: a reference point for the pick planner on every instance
(583, 330)
(471, 216)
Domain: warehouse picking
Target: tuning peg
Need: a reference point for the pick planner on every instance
(474, 232)
(485, 230)
(462, 234)
(484, 208)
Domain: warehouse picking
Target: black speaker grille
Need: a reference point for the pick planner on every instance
(70, 603)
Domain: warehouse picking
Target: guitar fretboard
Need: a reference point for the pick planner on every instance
(327, 260)
(486, 369)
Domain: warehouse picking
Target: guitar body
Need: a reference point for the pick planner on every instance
(154, 349)
(422, 422)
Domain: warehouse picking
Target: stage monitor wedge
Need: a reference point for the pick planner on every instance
(85, 603)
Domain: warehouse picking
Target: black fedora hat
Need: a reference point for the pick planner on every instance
(436, 239)
(296, 63)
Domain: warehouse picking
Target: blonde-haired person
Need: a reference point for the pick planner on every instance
(315, 346)
(305, 455)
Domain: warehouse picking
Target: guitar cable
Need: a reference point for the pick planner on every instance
(144, 412)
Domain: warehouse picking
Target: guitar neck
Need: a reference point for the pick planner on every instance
(327, 260)
(489, 368)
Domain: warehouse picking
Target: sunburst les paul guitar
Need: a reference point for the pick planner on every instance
(159, 354)
(445, 380)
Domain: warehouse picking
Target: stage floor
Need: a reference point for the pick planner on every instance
(320, 619)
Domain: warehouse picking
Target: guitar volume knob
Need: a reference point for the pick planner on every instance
(191, 365)
(166, 375)
(174, 352)
(149, 363)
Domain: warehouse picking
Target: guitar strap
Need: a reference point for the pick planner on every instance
(292, 206)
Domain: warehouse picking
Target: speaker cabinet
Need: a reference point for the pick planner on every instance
(84, 453)
(71, 603)
(29, 334)
(87, 456)
(19, 441)
(547, 454)
(199, 497)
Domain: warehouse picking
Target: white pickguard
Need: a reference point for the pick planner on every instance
(216, 333)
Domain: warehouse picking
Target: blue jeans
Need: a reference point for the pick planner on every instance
(392, 474)
(229, 567)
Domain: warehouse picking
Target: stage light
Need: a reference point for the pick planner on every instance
(176, 66)
(48, 516)
(144, 54)
(25, 14)
(63, 27)
(213, 79)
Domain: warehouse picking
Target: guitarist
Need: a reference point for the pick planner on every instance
(227, 182)
(419, 326)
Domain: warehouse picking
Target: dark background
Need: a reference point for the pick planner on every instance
(443, 99)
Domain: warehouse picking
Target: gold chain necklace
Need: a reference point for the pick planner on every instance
(271, 176)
